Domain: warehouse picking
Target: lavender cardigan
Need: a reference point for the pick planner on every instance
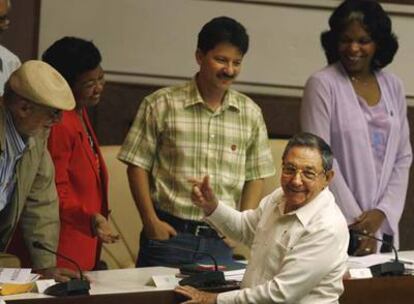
(330, 109)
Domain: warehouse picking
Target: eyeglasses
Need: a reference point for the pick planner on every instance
(305, 174)
(52, 114)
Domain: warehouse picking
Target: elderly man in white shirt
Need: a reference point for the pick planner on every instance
(298, 236)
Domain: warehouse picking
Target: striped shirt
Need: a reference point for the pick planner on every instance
(175, 136)
(13, 150)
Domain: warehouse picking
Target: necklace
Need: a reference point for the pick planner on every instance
(356, 80)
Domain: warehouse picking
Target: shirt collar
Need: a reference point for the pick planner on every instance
(194, 94)
(16, 141)
(230, 100)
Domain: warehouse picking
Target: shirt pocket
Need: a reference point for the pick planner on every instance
(233, 159)
(274, 259)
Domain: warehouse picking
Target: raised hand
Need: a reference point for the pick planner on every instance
(203, 196)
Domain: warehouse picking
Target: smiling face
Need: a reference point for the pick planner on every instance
(303, 176)
(356, 49)
(219, 67)
(88, 87)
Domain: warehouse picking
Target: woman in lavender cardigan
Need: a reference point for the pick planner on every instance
(360, 110)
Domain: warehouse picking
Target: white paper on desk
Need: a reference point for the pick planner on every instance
(15, 275)
(236, 274)
(367, 260)
(164, 281)
(43, 284)
(360, 273)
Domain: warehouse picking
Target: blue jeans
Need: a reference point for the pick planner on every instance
(188, 250)
(157, 253)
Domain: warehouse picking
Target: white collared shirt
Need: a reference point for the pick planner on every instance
(298, 257)
(9, 156)
(8, 64)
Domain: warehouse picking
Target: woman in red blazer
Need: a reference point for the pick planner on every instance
(81, 175)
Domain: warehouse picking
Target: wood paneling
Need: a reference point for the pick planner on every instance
(22, 36)
(113, 116)
(407, 220)
(398, 1)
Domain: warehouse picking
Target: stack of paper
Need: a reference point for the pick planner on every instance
(359, 267)
(236, 275)
(367, 260)
(373, 259)
(16, 280)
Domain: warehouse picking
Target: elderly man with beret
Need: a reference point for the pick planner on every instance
(34, 98)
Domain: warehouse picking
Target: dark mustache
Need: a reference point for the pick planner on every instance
(226, 76)
(295, 189)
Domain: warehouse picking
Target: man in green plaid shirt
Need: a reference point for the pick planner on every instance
(199, 128)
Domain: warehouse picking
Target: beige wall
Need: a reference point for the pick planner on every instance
(147, 37)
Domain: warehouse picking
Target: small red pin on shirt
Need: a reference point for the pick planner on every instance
(233, 147)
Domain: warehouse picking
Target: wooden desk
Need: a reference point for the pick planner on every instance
(111, 287)
(129, 286)
(385, 290)
(162, 296)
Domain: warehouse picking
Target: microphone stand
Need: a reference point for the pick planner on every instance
(73, 287)
(202, 280)
(394, 268)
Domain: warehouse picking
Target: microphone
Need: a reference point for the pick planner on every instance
(204, 279)
(73, 287)
(394, 268)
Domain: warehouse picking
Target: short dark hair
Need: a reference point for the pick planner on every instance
(223, 29)
(72, 56)
(375, 21)
(312, 141)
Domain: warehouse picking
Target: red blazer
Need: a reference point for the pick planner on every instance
(82, 185)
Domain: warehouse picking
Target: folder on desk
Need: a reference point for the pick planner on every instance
(16, 280)
(15, 288)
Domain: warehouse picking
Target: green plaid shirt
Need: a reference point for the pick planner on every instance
(176, 136)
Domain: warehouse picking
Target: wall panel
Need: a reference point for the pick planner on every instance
(22, 36)
(153, 41)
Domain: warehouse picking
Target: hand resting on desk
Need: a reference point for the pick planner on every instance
(196, 296)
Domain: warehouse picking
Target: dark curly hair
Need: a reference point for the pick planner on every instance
(72, 56)
(374, 20)
(223, 29)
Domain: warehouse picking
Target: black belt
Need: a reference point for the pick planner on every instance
(196, 228)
